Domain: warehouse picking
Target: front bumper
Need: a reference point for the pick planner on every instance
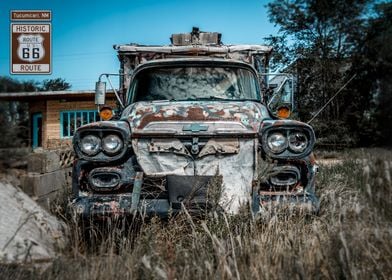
(120, 205)
(191, 192)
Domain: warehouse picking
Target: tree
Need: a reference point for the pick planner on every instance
(319, 39)
(14, 118)
(54, 84)
(375, 61)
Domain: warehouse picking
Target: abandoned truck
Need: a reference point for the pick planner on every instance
(199, 124)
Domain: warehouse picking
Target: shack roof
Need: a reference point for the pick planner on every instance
(49, 95)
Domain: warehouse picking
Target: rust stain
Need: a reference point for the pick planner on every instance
(312, 159)
(249, 114)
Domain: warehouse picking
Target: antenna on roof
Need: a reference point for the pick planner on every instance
(332, 98)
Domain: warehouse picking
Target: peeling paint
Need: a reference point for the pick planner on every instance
(248, 115)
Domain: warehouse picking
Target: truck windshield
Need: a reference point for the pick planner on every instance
(195, 83)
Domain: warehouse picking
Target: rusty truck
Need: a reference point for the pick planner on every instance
(199, 125)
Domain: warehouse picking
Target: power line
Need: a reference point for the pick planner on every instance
(75, 55)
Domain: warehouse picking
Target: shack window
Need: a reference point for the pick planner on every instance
(71, 120)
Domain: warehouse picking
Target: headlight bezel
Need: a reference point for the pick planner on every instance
(101, 130)
(287, 128)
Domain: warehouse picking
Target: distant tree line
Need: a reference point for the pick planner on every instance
(326, 42)
(14, 116)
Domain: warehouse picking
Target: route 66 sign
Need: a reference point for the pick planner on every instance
(31, 48)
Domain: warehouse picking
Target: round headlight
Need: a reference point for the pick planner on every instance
(90, 145)
(298, 141)
(277, 142)
(112, 144)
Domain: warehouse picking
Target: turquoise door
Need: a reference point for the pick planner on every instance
(37, 130)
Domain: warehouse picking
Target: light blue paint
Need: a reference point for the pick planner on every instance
(36, 118)
(66, 115)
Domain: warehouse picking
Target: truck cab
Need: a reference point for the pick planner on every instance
(200, 126)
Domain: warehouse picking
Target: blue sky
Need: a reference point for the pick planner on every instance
(83, 32)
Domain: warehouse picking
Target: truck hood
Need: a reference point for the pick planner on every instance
(196, 117)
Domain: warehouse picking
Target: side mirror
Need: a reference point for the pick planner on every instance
(280, 95)
(100, 93)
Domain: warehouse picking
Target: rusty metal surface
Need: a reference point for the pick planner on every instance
(196, 37)
(136, 191)
(220, 117)
(232, 159)
(192, 49)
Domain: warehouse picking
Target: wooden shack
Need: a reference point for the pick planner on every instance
(55, 115)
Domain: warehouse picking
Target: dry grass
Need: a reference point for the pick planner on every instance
(351, 238)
